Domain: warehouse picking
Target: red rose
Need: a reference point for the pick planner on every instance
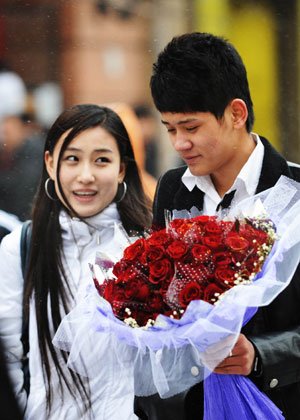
(155, 252)
(115, 296)
(129, 273)
(176, 223)
(130, 289)
(143, 292)
(134, 251)
(118, 268)
(237, 243)
(252, 264)
(160, 270)
(214, 242)
(222, 259)
(261, 237)
(159, 238)
(251, 233)
(201, 253)
(247, 229)
(203, 220)
(211, 293)
(184, 228)
(136, 289)
(214, 227)
(155, 302)
(177, 249)
(192, 291)
(225, 277)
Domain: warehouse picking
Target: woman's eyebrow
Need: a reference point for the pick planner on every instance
(102, 150)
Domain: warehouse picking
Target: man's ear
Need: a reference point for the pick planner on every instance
(239, 113)
(49, 164)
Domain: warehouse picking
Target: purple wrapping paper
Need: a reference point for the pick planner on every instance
(236, 397)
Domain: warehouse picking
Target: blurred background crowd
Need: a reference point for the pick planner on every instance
(57, 53)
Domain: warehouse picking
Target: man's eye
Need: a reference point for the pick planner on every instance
(171, 130)
(191, 128)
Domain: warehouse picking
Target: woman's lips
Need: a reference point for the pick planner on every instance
(84, 196)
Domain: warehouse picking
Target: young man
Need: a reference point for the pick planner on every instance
(199, 85)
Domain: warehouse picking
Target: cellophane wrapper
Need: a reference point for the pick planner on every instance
(175, 354)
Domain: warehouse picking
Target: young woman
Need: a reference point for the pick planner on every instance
(89, 183)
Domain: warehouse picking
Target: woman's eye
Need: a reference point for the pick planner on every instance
(191, 128)
(102, 159)
(71, 158)
(171, 130)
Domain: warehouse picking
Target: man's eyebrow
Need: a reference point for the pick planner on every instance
(180, 122)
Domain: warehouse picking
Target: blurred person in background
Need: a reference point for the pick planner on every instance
(134, 129)
(149, 131)
(13, 92)
(21, 148)
(8, 222)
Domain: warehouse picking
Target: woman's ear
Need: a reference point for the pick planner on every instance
(49, 164)
(122, 172)
(239, 113)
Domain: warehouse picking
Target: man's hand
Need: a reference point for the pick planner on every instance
(241, 361)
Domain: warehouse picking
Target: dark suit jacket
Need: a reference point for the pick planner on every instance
(275, 329)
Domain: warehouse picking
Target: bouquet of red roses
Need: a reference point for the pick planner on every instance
(198, 258)
(190, 288)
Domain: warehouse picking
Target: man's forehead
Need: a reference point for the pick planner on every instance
(179, 118)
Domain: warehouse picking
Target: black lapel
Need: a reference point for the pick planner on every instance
(274, 165)
(185, 199)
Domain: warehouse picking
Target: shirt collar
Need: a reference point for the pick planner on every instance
(248, 175)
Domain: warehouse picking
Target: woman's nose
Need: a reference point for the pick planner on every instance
(86, 174)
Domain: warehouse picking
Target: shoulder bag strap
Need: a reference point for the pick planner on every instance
(25, 243)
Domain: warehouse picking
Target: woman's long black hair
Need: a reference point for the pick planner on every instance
(46, 279)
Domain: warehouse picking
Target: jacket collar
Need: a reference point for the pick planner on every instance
(81, 231)
(274, 165)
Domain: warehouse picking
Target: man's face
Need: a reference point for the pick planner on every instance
(207, 145)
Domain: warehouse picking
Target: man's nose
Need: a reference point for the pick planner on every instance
(182, 142)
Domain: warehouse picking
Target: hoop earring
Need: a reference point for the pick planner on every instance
(46, 190)
(124, 192)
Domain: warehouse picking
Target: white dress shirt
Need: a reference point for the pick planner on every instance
(245, 183)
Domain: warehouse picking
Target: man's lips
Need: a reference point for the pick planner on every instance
(191, 159)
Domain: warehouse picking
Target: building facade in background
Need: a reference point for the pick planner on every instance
(102, 51)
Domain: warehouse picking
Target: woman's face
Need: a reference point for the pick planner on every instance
(90, 170)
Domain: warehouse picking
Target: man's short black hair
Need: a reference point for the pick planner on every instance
(200, 72)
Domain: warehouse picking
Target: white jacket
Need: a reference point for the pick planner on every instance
(112, 391)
